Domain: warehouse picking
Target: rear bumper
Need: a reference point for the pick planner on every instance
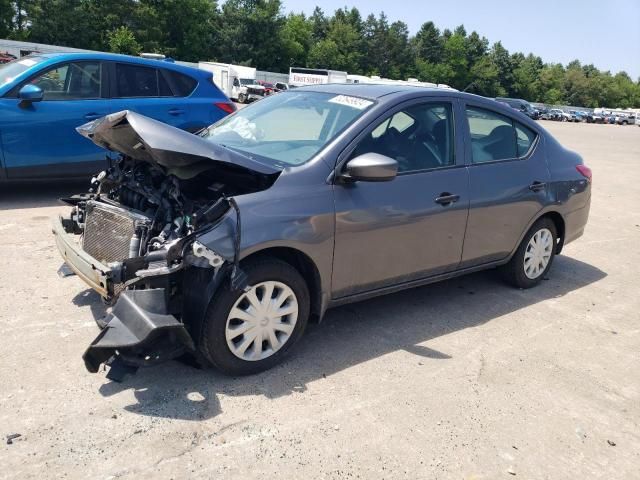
(91, 271)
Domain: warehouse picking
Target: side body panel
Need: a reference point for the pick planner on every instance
(395, 232)
(39, 139)
(502, 201)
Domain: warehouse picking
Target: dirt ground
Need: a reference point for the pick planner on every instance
(467, 379)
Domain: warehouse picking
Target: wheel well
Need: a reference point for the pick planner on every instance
(558, 221)
(304, 265)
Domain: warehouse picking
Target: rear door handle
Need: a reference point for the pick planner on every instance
(94, 115)
(537, 186)
(176, 111)
(446, 198)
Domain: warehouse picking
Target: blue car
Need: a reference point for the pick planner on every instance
(44, 97)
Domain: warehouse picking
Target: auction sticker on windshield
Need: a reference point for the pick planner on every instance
(355, 102)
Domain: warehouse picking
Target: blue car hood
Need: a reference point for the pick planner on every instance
(181, 153)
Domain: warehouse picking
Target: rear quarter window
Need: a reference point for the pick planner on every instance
(524, 138)
(181, 85)
(497, 137)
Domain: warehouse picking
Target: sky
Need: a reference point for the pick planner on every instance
(603, 32)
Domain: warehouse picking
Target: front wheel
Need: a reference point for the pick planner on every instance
(242, 98)
(251, 331)
(534, 256)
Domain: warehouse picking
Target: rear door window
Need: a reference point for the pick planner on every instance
(492, 136)
(136, 81)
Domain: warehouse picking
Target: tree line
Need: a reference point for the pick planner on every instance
(258, 33)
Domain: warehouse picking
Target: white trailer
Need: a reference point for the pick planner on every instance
(236, 81)
(299, 77)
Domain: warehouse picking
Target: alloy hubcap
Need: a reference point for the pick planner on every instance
(538, 253)
(261, 321)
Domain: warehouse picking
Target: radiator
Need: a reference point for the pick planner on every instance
(108, 231)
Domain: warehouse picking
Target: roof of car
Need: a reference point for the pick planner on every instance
(374, 90)
(115, 57)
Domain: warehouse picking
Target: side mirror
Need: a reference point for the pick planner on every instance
(370, 167)
(31, 93)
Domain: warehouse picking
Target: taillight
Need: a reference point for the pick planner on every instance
(227, 107)
(584, 171)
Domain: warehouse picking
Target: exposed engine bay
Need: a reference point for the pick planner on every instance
(134, 237)
(164, 208)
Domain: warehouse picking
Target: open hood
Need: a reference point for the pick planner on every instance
(179, 152)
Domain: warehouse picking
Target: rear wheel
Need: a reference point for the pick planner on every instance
(534, 256)
(248, 332)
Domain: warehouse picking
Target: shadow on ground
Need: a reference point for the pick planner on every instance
(350, 335)
(38, 194)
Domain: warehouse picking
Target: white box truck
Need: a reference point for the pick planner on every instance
(298, 77)
(236, 81)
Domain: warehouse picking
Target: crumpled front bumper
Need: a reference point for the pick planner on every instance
(139, 330)
(94, 273)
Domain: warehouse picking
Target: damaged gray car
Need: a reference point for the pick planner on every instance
(224, 244)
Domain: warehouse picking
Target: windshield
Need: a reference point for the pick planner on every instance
(11, 70)
(289, 128)
(247, 81)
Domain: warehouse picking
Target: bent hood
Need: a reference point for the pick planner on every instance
(146, 139)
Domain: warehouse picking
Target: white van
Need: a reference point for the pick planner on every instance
(236, 81)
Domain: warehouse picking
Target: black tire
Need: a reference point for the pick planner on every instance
(514, 273)
(242, 98)
(213, 343)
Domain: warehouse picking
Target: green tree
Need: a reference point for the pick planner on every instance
(501, 59)
(7, 13)
(455, 57)
(296, 39)
(122, 40)
(250, 33)
(428, 44)
(485, 78)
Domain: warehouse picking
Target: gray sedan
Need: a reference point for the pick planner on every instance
(224, 244)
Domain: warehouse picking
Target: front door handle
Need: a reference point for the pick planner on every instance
(537, 186)
(94, 115)
(446, 198)
(176, 111)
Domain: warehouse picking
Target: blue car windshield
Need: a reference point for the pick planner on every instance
(287, 128)
(11, 70)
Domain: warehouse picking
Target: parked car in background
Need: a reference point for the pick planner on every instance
(595, 118)
(575, 116)
(268, 87)
(565, 116)
(556, 114)
(44, 97)
(306, 200)
(6, 57)
(626, 119)
(521, 105)
(545, 114)
(281, 86)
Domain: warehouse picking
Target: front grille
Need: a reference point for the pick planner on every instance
(256, 91)
(108, 231)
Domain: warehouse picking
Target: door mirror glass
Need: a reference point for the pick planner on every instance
(31, 93)
(370, 167)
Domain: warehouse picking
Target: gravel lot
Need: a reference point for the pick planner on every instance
(465, 379)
